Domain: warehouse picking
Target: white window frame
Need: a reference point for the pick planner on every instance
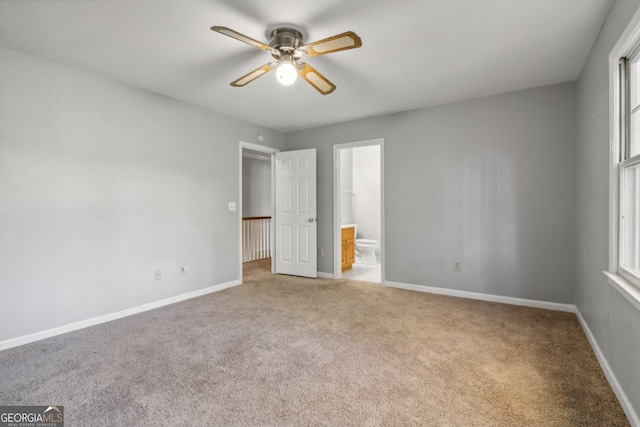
(623, 271)
(621, 279)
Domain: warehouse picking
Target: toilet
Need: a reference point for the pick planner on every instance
(367, 250)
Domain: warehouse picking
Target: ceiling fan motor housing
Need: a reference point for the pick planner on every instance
(285, 39)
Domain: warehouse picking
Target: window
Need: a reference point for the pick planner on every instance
(629, 169)
(624, 166)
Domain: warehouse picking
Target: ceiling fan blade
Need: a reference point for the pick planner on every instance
(344, 41)
(238, 36)
(317, 80)
(249, 77)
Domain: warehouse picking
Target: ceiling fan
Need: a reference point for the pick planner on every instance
(287, 48)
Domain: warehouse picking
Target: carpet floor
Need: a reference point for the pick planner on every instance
(288, 351)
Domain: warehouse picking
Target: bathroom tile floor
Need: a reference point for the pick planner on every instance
(364, 273)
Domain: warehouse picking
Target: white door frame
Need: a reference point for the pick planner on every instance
(337, 231)
(272, 152)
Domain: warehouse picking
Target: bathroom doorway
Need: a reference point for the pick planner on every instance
(358, 200)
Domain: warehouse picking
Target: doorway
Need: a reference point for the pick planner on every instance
(292, 229)
(358, 200)
(257, 207)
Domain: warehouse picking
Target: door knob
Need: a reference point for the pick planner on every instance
(311, 219)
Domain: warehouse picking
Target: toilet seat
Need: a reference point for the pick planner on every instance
(367, 242)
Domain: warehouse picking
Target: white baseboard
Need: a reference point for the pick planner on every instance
(570, 308)
(324, 275)
(25, 339)
(627, 407)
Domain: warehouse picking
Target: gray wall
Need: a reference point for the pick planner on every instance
(620, 342)
(101, 184)
(490, 182)
(256, 187)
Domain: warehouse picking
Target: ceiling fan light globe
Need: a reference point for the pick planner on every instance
(286, 73)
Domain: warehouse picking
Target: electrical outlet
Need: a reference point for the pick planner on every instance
(457, 265)
(606, 316)
(320, 252)
(183, 270)
(158, 274)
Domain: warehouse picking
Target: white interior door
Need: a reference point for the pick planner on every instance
(296, 224)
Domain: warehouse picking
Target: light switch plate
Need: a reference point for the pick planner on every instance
(232, 206)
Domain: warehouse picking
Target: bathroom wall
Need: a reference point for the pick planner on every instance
(256, 187)
(366, 187)
(347, 207)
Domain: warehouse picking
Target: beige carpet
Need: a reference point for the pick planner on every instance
(282, 350)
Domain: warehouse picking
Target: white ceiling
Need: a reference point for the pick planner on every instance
(415, 53)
